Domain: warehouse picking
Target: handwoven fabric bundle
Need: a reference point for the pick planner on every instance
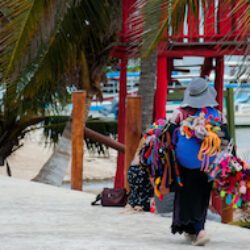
(154, 156)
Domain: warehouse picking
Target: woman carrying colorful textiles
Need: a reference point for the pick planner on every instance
(149, 171)
(189, 124)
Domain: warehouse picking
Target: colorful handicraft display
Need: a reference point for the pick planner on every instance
(231, 177)
(203, 128)
(154, 158)
(230, 174)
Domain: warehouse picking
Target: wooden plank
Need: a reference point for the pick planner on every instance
(133, 132)
(78, 115)
(200, 52)
(230, 112)
(226, 213)
(95, 136)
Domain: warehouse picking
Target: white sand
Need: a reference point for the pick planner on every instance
(26, 162)
(38, 216)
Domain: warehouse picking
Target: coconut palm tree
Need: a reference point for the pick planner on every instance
(46, 47)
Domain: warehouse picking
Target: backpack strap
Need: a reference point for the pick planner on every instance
(98, 198)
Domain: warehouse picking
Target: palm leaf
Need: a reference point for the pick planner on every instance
(78, 49)
(32, 25)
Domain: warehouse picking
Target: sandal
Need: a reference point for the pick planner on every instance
(138, 209)
(201, 240)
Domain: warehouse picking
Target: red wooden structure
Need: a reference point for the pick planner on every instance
(219, 22)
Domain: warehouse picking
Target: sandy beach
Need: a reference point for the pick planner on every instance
(26, 162)
(38, 216)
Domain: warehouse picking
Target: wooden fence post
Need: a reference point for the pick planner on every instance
(78, 113)
(132, 132)
(226, 212)
(230, 112)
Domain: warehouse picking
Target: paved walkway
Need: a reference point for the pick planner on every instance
(37, 216)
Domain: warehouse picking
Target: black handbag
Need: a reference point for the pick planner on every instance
(112, 197)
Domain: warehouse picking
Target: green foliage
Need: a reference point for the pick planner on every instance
(30, 27)
(244, 220)
(53, 127)
(245, 224)
(107, 128)
(48, 46)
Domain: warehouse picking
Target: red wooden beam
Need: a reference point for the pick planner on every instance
(219, 78)
(207, 67)
(181, 70)
(161, 88)
(201, 52)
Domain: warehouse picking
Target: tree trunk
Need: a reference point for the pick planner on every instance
(56, 167)
(146, 88)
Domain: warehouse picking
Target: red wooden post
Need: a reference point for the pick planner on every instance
(207, 67)
(219, 78)
(161, 88)
(119, 177)
(78, 99)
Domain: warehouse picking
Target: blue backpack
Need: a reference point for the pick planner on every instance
(187, 150)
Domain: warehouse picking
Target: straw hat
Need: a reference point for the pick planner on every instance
(199, 94)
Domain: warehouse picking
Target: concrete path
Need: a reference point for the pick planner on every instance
(37, 216)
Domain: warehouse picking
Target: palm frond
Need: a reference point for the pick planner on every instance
(76, 56)
(32, 24)
(161, 19)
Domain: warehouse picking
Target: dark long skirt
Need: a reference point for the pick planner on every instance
(140, 187)
(191, 201)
